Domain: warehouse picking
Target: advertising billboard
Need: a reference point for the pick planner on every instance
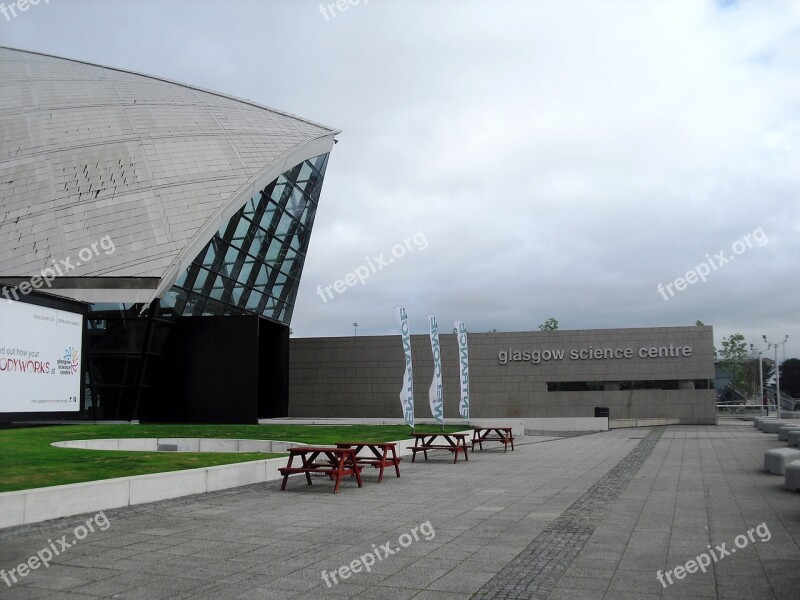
(40, 359)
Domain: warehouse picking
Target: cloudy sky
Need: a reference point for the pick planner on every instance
(503, 162)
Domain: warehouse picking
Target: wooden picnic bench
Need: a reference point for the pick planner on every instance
(493, 434)
(377, 455)
(338, 463)
(454, 442)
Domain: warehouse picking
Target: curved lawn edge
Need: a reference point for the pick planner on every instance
(172, 444)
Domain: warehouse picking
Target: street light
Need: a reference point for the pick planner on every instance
(777, 369)
(760, 376)
(355, 329)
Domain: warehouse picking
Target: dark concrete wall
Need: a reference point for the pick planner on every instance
(362, 376)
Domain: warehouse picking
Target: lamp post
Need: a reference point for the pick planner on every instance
(760, 378)
(355, 329)
(777, 370)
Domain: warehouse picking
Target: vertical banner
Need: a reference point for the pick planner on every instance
(463, 361)
(407, 392)
(435, 394)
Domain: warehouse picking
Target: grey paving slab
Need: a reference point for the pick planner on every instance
(698, 486)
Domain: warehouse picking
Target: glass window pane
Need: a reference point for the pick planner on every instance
(253, 300)
(263, 277)
(237, 294)
(241, 233)
(200, 281)
(274, 253)
(284, 226)
(210, 255)
(247, 267)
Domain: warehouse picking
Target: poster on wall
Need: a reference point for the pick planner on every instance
(40, 359)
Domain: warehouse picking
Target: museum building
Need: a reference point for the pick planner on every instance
(178, 217)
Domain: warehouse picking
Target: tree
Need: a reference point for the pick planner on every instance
(790, 377)
(732, 354)
(550, 325)
(699, 323)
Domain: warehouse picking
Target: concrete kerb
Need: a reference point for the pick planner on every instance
(42, 504)
(180, 445)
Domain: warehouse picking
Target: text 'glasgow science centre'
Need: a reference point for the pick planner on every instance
(537, 356)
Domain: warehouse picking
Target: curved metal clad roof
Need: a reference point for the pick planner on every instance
(88, 151)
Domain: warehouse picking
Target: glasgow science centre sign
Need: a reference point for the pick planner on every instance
(536, 357)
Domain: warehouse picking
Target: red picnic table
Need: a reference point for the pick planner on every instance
(454, 442)
(492, 434)
(338, 463)
(377, 455)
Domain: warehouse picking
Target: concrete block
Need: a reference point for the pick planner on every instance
(12, 509)
(217, 445)
(783, 431)
(139, 444)
(102, 444)
(255, 446)
(792, 481)
(771, 426)
(271, 466)
(162, 486)
(183, 444)
(229, 476)
(793, 437)
(775, 460)
(53, 502)
(768, 422)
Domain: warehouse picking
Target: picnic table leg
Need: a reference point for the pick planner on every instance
(383, 463)
(339, 470)
(512, 441)
(306, 464)
(466, 455)
(396, 462)
(357, 470)
(456, 448)
(286, 476)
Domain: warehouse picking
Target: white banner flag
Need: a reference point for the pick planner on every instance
(435, 394)
(407, 393)
(463, 361)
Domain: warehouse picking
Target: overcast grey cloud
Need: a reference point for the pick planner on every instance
(561, 158)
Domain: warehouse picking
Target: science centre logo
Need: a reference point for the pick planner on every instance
(69, 364)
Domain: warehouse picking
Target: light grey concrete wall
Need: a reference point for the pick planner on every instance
(362, 376)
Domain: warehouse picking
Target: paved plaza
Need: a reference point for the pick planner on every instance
(591, 516)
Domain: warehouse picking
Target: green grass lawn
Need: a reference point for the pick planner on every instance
(27, 460)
